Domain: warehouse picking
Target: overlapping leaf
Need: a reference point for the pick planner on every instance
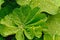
(53, 24)
(49, 6)
(25, 18)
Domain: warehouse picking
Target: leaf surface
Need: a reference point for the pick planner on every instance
(49, 6)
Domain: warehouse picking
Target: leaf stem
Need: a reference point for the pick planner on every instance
(53, 37)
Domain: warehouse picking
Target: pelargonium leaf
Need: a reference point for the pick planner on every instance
(22, 17)
(53, 24)
(30, 17)
(49, 6)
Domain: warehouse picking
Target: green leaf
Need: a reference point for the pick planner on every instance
(26, 20)
(1, 1)
(19, 35)
(49, 6)
(35, 18)
(53, 24)
(7, 30)
(21, 18)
